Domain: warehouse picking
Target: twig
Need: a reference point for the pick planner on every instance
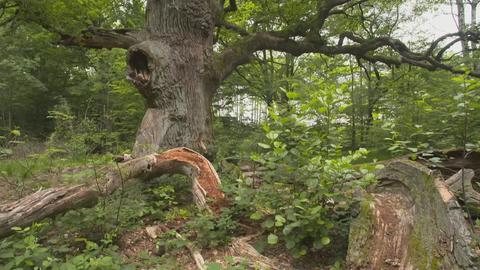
(197, 256)
(122, 191)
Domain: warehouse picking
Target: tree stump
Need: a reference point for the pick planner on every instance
(411, 221)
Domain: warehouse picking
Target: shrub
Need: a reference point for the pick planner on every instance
(306, 196)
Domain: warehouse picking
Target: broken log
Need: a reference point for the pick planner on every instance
(50, 202)
(410, 221)
(461, 185)
(244, 252)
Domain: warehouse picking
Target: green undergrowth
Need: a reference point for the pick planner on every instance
(91, 238)
(21, 176)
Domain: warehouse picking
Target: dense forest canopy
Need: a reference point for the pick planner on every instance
(293, 102)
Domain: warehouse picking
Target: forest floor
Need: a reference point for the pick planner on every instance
(129, 226)
(123, 223)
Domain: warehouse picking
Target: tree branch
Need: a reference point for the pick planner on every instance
(103, 38)
(97, 38)
(324, 8)
(241, 53)
(233, 27)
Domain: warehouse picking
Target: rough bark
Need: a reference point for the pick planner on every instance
(172, 70)
(461, 185)
(412, 221)
(54, 201)
(103, 38)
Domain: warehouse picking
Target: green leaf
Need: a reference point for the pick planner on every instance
(272, 135)
(288, 229)
(256, 216)
(265, 146)
(292, 95)
(312, 182)
(325, 240)
(269, 223)
(290, 243)
(279, 220)
(272, 239)
(277, 144)
(316, 209)
(15, 132)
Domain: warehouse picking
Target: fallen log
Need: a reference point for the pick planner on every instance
(461, 185)
(411, 221)
(54, 201)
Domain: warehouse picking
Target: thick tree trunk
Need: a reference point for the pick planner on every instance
(54, 201)
(172, 69)
(411, 222)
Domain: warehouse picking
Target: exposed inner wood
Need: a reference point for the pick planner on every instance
(412, 221)
(393, 218)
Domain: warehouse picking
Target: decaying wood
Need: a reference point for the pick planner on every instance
(461, 185)
(412, 221)
(196, 255)
(53, 201)
(154, 231)
(242, 251)
(455, 181)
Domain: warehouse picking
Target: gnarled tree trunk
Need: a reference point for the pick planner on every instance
(412, 221)
(173, 71)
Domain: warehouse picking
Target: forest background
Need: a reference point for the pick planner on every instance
(65, 112)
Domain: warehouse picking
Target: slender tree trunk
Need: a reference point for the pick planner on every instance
(172, 70)
(353, 115)
(462, 27)
(473, 13)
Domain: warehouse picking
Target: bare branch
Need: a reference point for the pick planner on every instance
(324, 8)
(468, 35)
(346, 7)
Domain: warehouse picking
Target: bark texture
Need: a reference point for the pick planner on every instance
(172, 70)
(50, 202)
(412, 221)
